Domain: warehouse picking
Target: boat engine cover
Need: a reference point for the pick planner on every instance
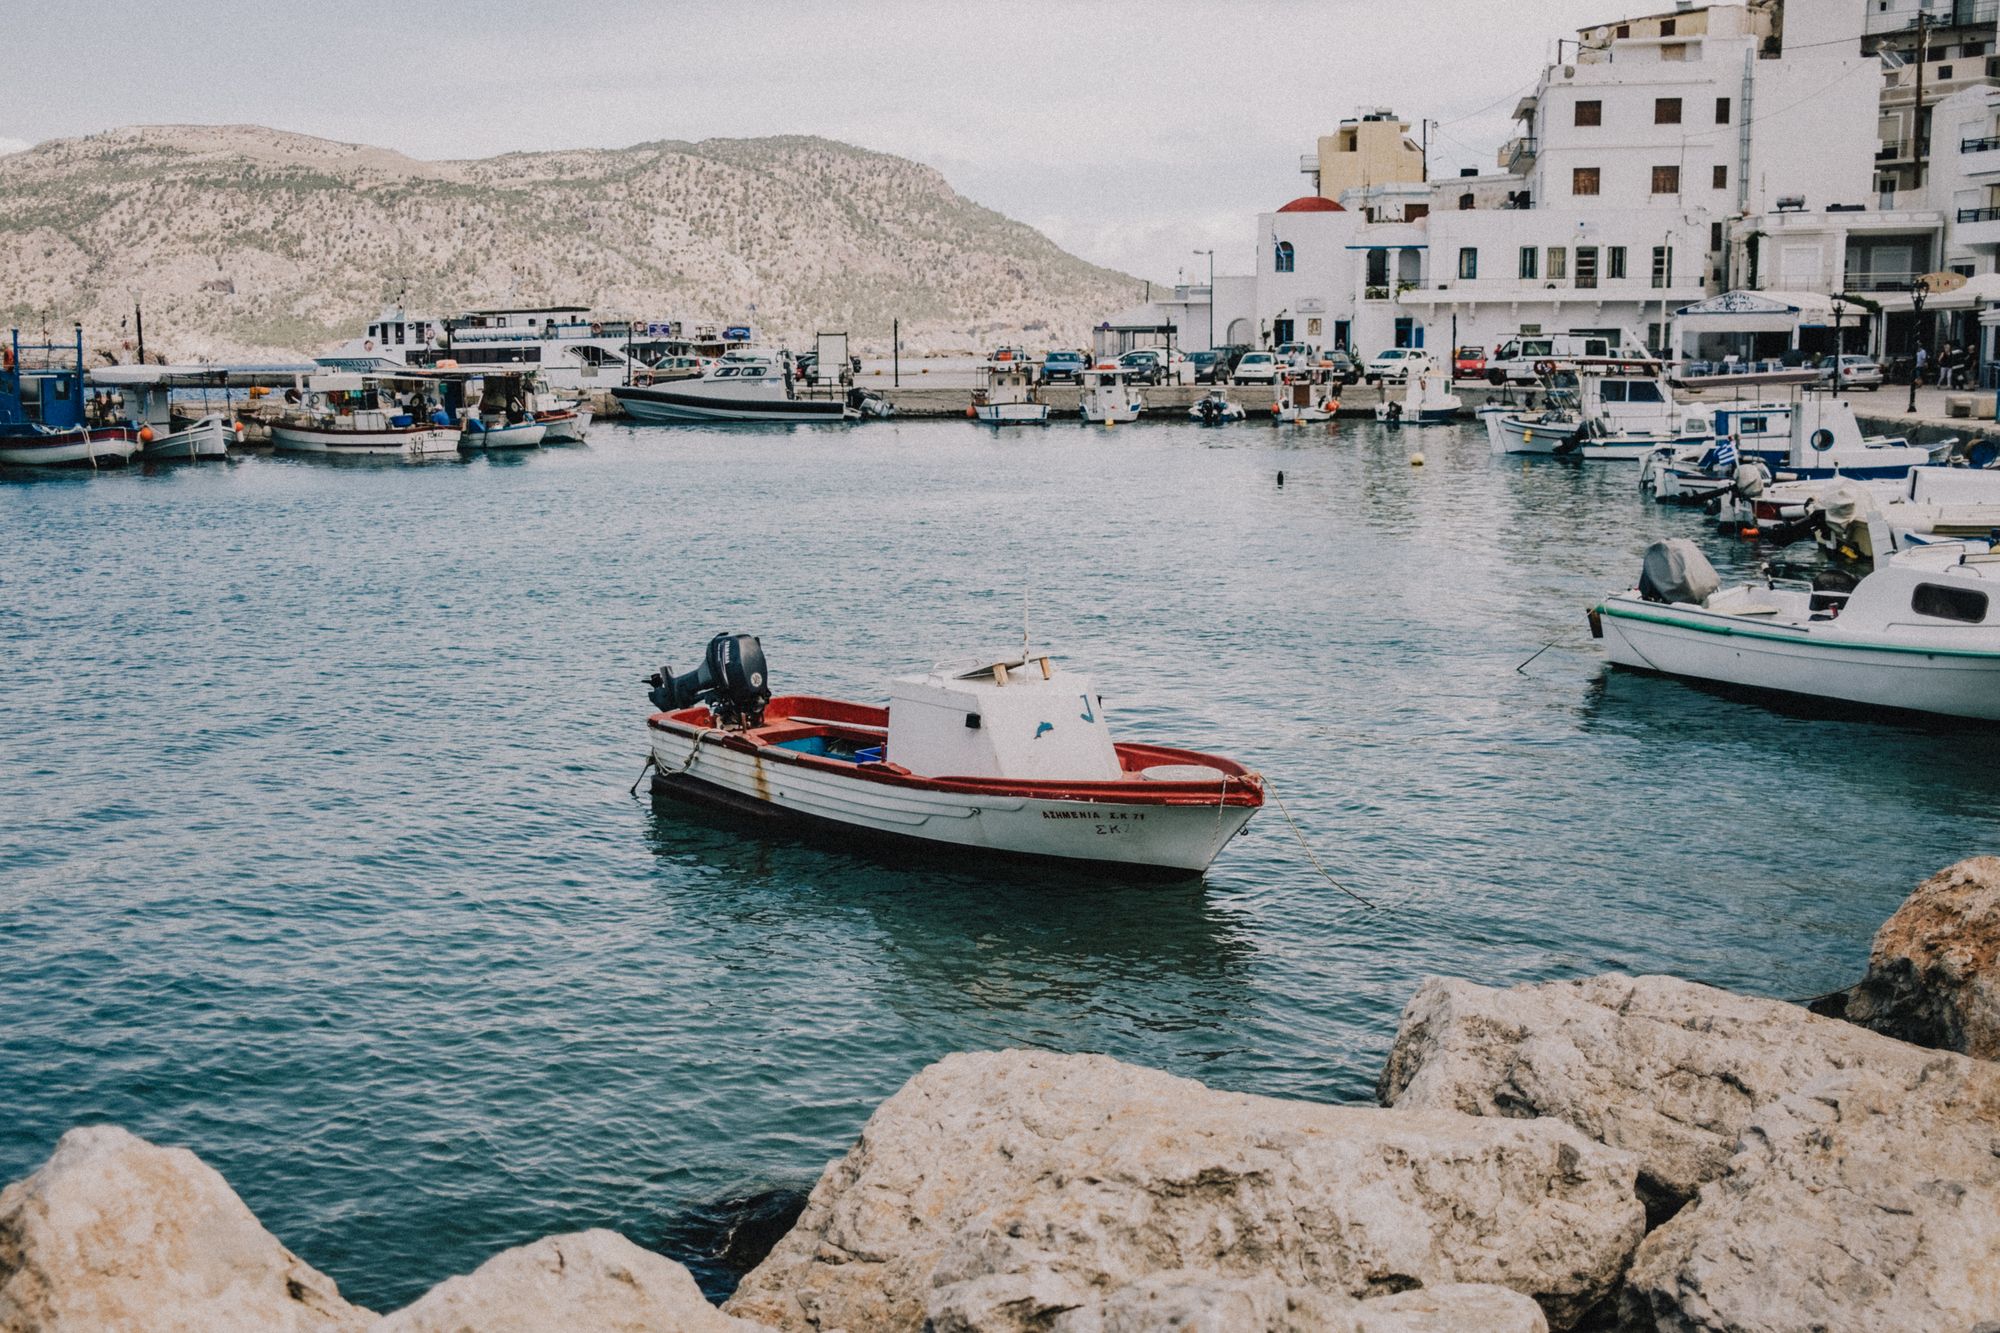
(1675, 570)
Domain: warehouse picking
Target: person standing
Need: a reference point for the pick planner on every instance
(1923, 360)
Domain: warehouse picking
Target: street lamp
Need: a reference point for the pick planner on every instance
(1211, 296)
(1917, 294)
(1839, 341)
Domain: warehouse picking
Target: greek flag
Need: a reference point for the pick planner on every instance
(1722, 456)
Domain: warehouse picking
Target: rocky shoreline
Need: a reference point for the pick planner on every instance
(1614, 1152)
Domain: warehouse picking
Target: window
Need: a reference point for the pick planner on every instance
(1281, 331)
(1722, 111)
(1465, 202)
(1378, 268)
(1590, 113)
(1586, 266)
(1668, 27)
(1283, 258)
(1715, 235)
(1584, 180)
(1944, 72)
(1612, 391)
(1528, 257)
(1558, 265)
(1663, 266)
(1624, 30)
(1674, 51)
(1468, 263)
(1721, 176)
(1666, 180)
(1644, 391)
(1614, 262)
(1666, 110)
(1962, 604)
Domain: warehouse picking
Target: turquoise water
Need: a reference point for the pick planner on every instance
(318, 859)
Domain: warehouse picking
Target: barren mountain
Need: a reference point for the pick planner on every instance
(240, 241)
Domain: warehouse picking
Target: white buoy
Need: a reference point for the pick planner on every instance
(1416, 460)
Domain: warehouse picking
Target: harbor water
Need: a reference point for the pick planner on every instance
(318, 856)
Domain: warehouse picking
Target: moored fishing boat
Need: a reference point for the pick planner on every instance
(1814, 437)
(1106, 396)
(1008, 395)
(1008, 756)
(48, 417)
(366, 415)
(1427, 401)
(145, 394)
(1306, 395)
(1601, 410)
(1921, 632)
(1214, 409)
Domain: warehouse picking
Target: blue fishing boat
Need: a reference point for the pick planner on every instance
(48, 416)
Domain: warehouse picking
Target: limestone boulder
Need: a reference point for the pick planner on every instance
(1668, 1069)
(586, 1282)
(1870, 1200)
(1934, 971)
(115, 1233)
(1190, 1302)
(1019, 1185)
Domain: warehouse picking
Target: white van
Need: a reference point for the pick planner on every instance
(1514, 361)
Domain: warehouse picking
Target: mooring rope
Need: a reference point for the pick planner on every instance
(1307, 848)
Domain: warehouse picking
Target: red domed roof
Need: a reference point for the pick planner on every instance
(1312, 203)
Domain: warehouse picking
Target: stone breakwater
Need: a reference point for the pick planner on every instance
(1632, 1152)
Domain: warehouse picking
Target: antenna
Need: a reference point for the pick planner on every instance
(1024, 624)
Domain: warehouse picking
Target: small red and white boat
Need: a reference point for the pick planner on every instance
(1010, 757)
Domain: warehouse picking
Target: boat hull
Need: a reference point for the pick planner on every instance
(655, 405)
(1687, 641)
(410, 442)
(526, 435)
(1012, 414)
(565, 427)
(1142, 837)
(207, 438)
(101, 446)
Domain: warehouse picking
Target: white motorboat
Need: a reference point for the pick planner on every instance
(1008, 756)
(1106, 396)
(1008, 396)
(565, 423)
(365, 415)
(1872, 520)
(1602, 410)
(1921, 632)
(1812, 437)
(1214, 409)
(1427, 401)
(748, 384)
(1305, 395)
(145, 393)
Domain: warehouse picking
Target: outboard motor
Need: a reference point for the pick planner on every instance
(731, 680)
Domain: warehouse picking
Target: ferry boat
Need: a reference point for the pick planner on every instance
(48, 418)
(573, 347)
(1009, 756)
(1008, 394)
(748, 384)
(366, 415)
(1921, 632)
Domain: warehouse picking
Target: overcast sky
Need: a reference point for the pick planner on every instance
(1130, 133)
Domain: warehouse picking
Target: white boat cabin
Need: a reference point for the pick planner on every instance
(1018, 717)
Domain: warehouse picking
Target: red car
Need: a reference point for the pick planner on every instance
(1469, 363)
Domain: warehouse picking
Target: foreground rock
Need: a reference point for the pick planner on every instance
(1667, 1069)
(1934, 972)
(1205, 1303)
(1002, 1190)
(586, 1282)
(1870, 1201)
(115, 1233)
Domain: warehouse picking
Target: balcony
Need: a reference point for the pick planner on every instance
(1991, 143)
(1879, 280)
(1977, 226)
(1517, 155)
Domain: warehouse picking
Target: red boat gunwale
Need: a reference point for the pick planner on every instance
(835, 717)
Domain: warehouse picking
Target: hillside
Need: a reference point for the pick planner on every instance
(245, 241)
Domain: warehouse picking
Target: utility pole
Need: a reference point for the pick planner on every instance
(1211, 296)
(1917, 140)
(896, 351)
(139, 329)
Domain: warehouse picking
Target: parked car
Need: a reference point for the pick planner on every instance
(1255, 368)
(674, 368)
(1514, 361)
(1345, 371)
(1469, 363)
(1295, 354)
(1154, 365)
(1232, 353)
(1856, 372)
(1063, 365)
(1393, 366)
(1210, 367)
(1009, 354)
(803, 363)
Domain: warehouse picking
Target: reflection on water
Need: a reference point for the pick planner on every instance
(318, 856)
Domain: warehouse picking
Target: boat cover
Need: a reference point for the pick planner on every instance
(1676, 571)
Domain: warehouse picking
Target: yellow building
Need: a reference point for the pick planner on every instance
(1372, 149)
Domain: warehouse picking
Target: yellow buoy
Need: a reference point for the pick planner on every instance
(1416, 460)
